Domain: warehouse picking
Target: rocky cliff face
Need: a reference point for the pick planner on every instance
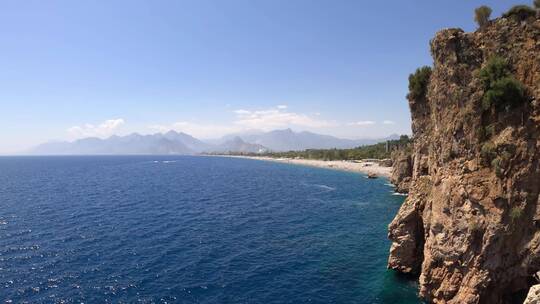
(401, 169)
(533, 297)
(471, 229)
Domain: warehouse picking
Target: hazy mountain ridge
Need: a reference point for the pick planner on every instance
(173, 142)
(130, 144)
(191, 142)
(237, 144)
(288, 140)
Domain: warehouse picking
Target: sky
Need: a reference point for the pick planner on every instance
(73, 69)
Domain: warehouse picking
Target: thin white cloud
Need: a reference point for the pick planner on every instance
(362, 123)
(277, 117)
(241, 112)
(388, 122)
(266, 120)
(104, 129)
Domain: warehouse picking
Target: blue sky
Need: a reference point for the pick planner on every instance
(71, 69)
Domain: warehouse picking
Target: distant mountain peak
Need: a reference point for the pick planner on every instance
(288, 130)
(173, 142)
(288, 140)
(237, 144)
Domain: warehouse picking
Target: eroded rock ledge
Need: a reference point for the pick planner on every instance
(470, 230)
(402, 165)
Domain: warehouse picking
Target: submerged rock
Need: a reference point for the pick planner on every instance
(372, 175)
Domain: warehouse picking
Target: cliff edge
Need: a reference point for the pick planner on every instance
(470, 227)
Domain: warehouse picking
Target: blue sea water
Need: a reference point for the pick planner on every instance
(173, 229)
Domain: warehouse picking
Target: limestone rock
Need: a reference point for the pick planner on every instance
(471, 229)
(401, 170)
(533, 297)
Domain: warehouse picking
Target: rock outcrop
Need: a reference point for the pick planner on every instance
(533, 297)
(401, 169)
(470, 227)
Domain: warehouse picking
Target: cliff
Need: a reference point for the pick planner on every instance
(470, 227)
(533, 297)
(401, 169)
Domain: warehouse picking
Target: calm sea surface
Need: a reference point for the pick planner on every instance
(170, 229)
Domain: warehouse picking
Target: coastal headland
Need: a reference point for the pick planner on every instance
(469, 228)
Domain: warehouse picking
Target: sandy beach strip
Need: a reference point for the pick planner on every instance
(364, 167)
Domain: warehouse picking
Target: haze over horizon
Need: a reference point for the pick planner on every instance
(210, 68)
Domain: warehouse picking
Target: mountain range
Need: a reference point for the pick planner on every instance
(173, 142)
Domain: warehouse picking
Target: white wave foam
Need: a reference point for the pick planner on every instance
(325, 187)
(400, 194)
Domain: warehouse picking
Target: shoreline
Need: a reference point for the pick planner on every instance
(364, 167)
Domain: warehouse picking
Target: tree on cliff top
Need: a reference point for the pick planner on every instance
(536, 4)
(520, 12)
(418, 82)
(482, 14)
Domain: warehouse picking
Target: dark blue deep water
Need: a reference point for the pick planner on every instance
(193, 230)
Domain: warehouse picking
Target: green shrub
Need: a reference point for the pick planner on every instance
(489, 130)
(496, 165)
(486, 102)
(482, 14)
(486, 132)
(504, 92)
(495, 69)
(515, 213)
(501, 89)
(418, 82)
(488, 152)
(506, 156)
(520, 12)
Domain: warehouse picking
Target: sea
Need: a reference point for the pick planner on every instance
(193, 229)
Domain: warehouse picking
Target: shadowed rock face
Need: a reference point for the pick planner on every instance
(469, 230)
(401, 170)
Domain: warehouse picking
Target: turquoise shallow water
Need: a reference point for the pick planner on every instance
(193, 230)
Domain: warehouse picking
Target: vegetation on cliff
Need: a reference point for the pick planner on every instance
(502, 90)
(517, 12)
(482, 14)
(418, 82)
(520, 12)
